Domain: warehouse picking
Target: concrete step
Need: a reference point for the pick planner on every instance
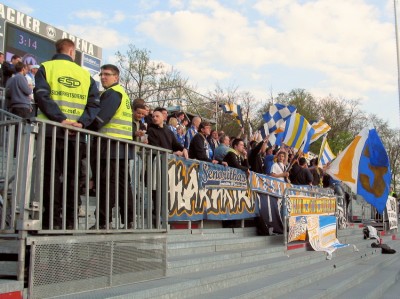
(9, 246)
(201, 262)
(281, 281)
(377, 285)
(180, 235)
(204, 246)
(9, 287)
(366, 272)
(8, 268)
(179, 263)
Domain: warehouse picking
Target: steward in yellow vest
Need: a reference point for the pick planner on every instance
(114, 120)
(65, 93)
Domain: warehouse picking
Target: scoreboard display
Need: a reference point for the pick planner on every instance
(34, 41)
(33, 48)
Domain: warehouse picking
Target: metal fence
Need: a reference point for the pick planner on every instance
(60, 179)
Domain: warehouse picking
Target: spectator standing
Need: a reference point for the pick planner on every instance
(114, 120)
(172, 124)
(300, 174)
(222, 149)
(213, 140)
(199, 147)
(18, 92)
(9, 68)
(237, 156)
(269, 160)
(316, 172)
(180, 116)
(256, 156)
(180, 130)
(1, 69)
(75, 107)
(138, 128)
(192, 131)
(278, 168)
(159, 135)
(30, 76)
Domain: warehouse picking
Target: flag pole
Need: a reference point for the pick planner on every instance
(322, 148)
(397, 50)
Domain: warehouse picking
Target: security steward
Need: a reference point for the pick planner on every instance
(113, 120)
(65, 93)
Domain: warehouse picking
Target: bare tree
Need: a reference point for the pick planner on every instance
(138, 74)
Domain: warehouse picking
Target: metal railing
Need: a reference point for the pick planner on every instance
(47, 170)
(286, 206)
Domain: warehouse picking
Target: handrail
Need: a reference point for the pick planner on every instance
(284, 212)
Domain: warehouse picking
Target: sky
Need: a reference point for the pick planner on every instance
(343, 48)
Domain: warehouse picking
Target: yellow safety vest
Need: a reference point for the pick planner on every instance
(69, 85)
(120, 125)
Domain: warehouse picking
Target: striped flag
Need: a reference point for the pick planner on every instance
(275, 138)
(234, 110)
(277, 115)
(326, 155)
(298, 132)
(364, 166)
(320, 128)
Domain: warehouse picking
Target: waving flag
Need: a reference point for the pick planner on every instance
(298, 132)
(277, 115)
(326, 155)
(274, 138)
(320, 128)
(364, 167)
(235, 111)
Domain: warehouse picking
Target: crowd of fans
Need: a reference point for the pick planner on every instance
(197, 140)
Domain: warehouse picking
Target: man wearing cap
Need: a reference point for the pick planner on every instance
(30, 77)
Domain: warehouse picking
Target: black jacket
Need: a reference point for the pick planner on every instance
(163, 137)
(256, 161)
(8, 70)
(198, 148)
(236, 161)
(300, 176)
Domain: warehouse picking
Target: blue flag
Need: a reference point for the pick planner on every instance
(364, 167)
(277, 115)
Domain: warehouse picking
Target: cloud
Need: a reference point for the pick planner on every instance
(346, 41)
(102, 36)
(202, 72)
(100, 17)
(89, 14)
(23, 6)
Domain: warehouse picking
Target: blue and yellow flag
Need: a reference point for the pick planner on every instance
(321, 128)
(326, 154)
(364, 167)
(235, 111)
(298, 132)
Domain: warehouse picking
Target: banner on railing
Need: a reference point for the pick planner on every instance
(265, 184)
(200, 190)
(321, 230)
(305, 205)
(391, 208)
(269, 211)
(212, 176)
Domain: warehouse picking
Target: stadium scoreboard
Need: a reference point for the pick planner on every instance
(34, 40)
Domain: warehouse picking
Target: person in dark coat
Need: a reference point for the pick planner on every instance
(199, 147)
(237, 157)
(159, 135)
(256, 156)
(300, 174)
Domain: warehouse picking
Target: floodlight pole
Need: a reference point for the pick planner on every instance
(397, 50)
